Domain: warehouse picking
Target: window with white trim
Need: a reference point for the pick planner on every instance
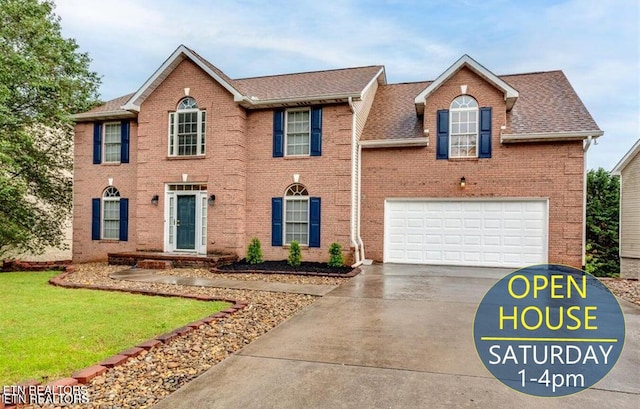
(463, 131)
(297, 132)
(111, 214)
(112, 140)
(296, 214)
(187, 129)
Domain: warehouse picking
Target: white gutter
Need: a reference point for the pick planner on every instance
(103, 115)
(354, 204)
(585, 148)
(549, 136)
(394, 143)
(256, 102)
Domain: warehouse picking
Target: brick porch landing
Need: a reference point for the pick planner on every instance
(176, 259)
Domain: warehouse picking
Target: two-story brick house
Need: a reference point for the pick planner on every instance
(470, 169)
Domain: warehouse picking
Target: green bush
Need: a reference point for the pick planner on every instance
(254, 252)
(295, 255)
(336, 259)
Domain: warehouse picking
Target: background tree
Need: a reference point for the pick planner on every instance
(43, 80)
(603, 209)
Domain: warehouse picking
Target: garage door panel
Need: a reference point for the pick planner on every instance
(506, 233)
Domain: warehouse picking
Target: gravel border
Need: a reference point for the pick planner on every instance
(144, 380)
(627, 289)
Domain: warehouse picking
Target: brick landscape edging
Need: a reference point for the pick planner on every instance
(350, 274)
(84, 376)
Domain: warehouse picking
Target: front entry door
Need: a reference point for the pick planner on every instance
(186, 222)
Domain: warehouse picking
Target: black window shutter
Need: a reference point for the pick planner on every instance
(316, 131)
(124, 219)
(124, 141)
(276, 221)
(95, 219)
(442, 137)
(278, 133)
(97, 143)
(484, 142)
(314, 222)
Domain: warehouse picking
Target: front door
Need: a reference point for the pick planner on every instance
(186, 222)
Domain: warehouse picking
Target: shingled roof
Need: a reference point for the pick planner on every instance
(547, 104)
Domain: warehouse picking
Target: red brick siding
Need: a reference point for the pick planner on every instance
(549, 170)
(89, 181)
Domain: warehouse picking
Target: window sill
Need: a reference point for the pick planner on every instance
(111, 163)
(186, 157)
(111, 241)
(293, 157)
(476, 159)
(302, 246)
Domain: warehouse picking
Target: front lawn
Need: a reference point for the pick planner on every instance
(51, 331)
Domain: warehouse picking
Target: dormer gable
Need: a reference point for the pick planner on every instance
(510, 93)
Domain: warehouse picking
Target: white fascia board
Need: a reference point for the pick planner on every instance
(376, 78)
(635, 149)
(85, 116)
(549, 136)
(303, 100)
(394, 143)
(133, 104)
(510, 93)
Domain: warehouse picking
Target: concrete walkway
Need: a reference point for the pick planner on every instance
(394, 336)
(153, 276)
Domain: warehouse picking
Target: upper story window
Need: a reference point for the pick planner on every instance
(187, 129)
(112, 142)
(463, 139)
(298, 132)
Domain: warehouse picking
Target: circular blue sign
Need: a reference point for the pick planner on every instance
(549, 330)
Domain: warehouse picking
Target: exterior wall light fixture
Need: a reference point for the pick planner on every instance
(211, 200)
(463, 182)
(154, 200)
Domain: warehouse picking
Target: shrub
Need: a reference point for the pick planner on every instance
(254, 252)
(336, 259)
(295, 255)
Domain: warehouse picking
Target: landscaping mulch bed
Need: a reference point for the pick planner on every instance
(144, 380)
(283, 267)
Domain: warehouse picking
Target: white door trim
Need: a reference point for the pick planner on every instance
(170, 236)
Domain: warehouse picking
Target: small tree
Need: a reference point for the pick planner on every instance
(295, 255)
(336, 259)
(254, 252)
(603, 195)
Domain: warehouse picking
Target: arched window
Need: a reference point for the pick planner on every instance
(296, 214)
(463, 139)
(187, 129)
(111, 214)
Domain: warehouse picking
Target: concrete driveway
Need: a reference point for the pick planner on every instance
(396, 336)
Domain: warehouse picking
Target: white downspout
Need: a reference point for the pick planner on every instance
(360, 242)
(354, 187)
(585, 148)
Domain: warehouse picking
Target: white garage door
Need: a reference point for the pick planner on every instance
(497, 233)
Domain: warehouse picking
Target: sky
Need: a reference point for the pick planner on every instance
(595, 43)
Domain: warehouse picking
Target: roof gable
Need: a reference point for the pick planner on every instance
(510, 93)
(627, 158)
(180, 54)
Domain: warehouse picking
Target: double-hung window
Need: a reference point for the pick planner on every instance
(296, 215)
(187, 129)
(111, 214)
(298, 132)
(112, 142)
(463, 140)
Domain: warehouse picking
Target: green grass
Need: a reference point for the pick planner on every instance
(51, 331)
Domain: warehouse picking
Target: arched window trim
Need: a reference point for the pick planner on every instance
(187, 129)
(463, 127)
(110, 214)
(296, 214)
